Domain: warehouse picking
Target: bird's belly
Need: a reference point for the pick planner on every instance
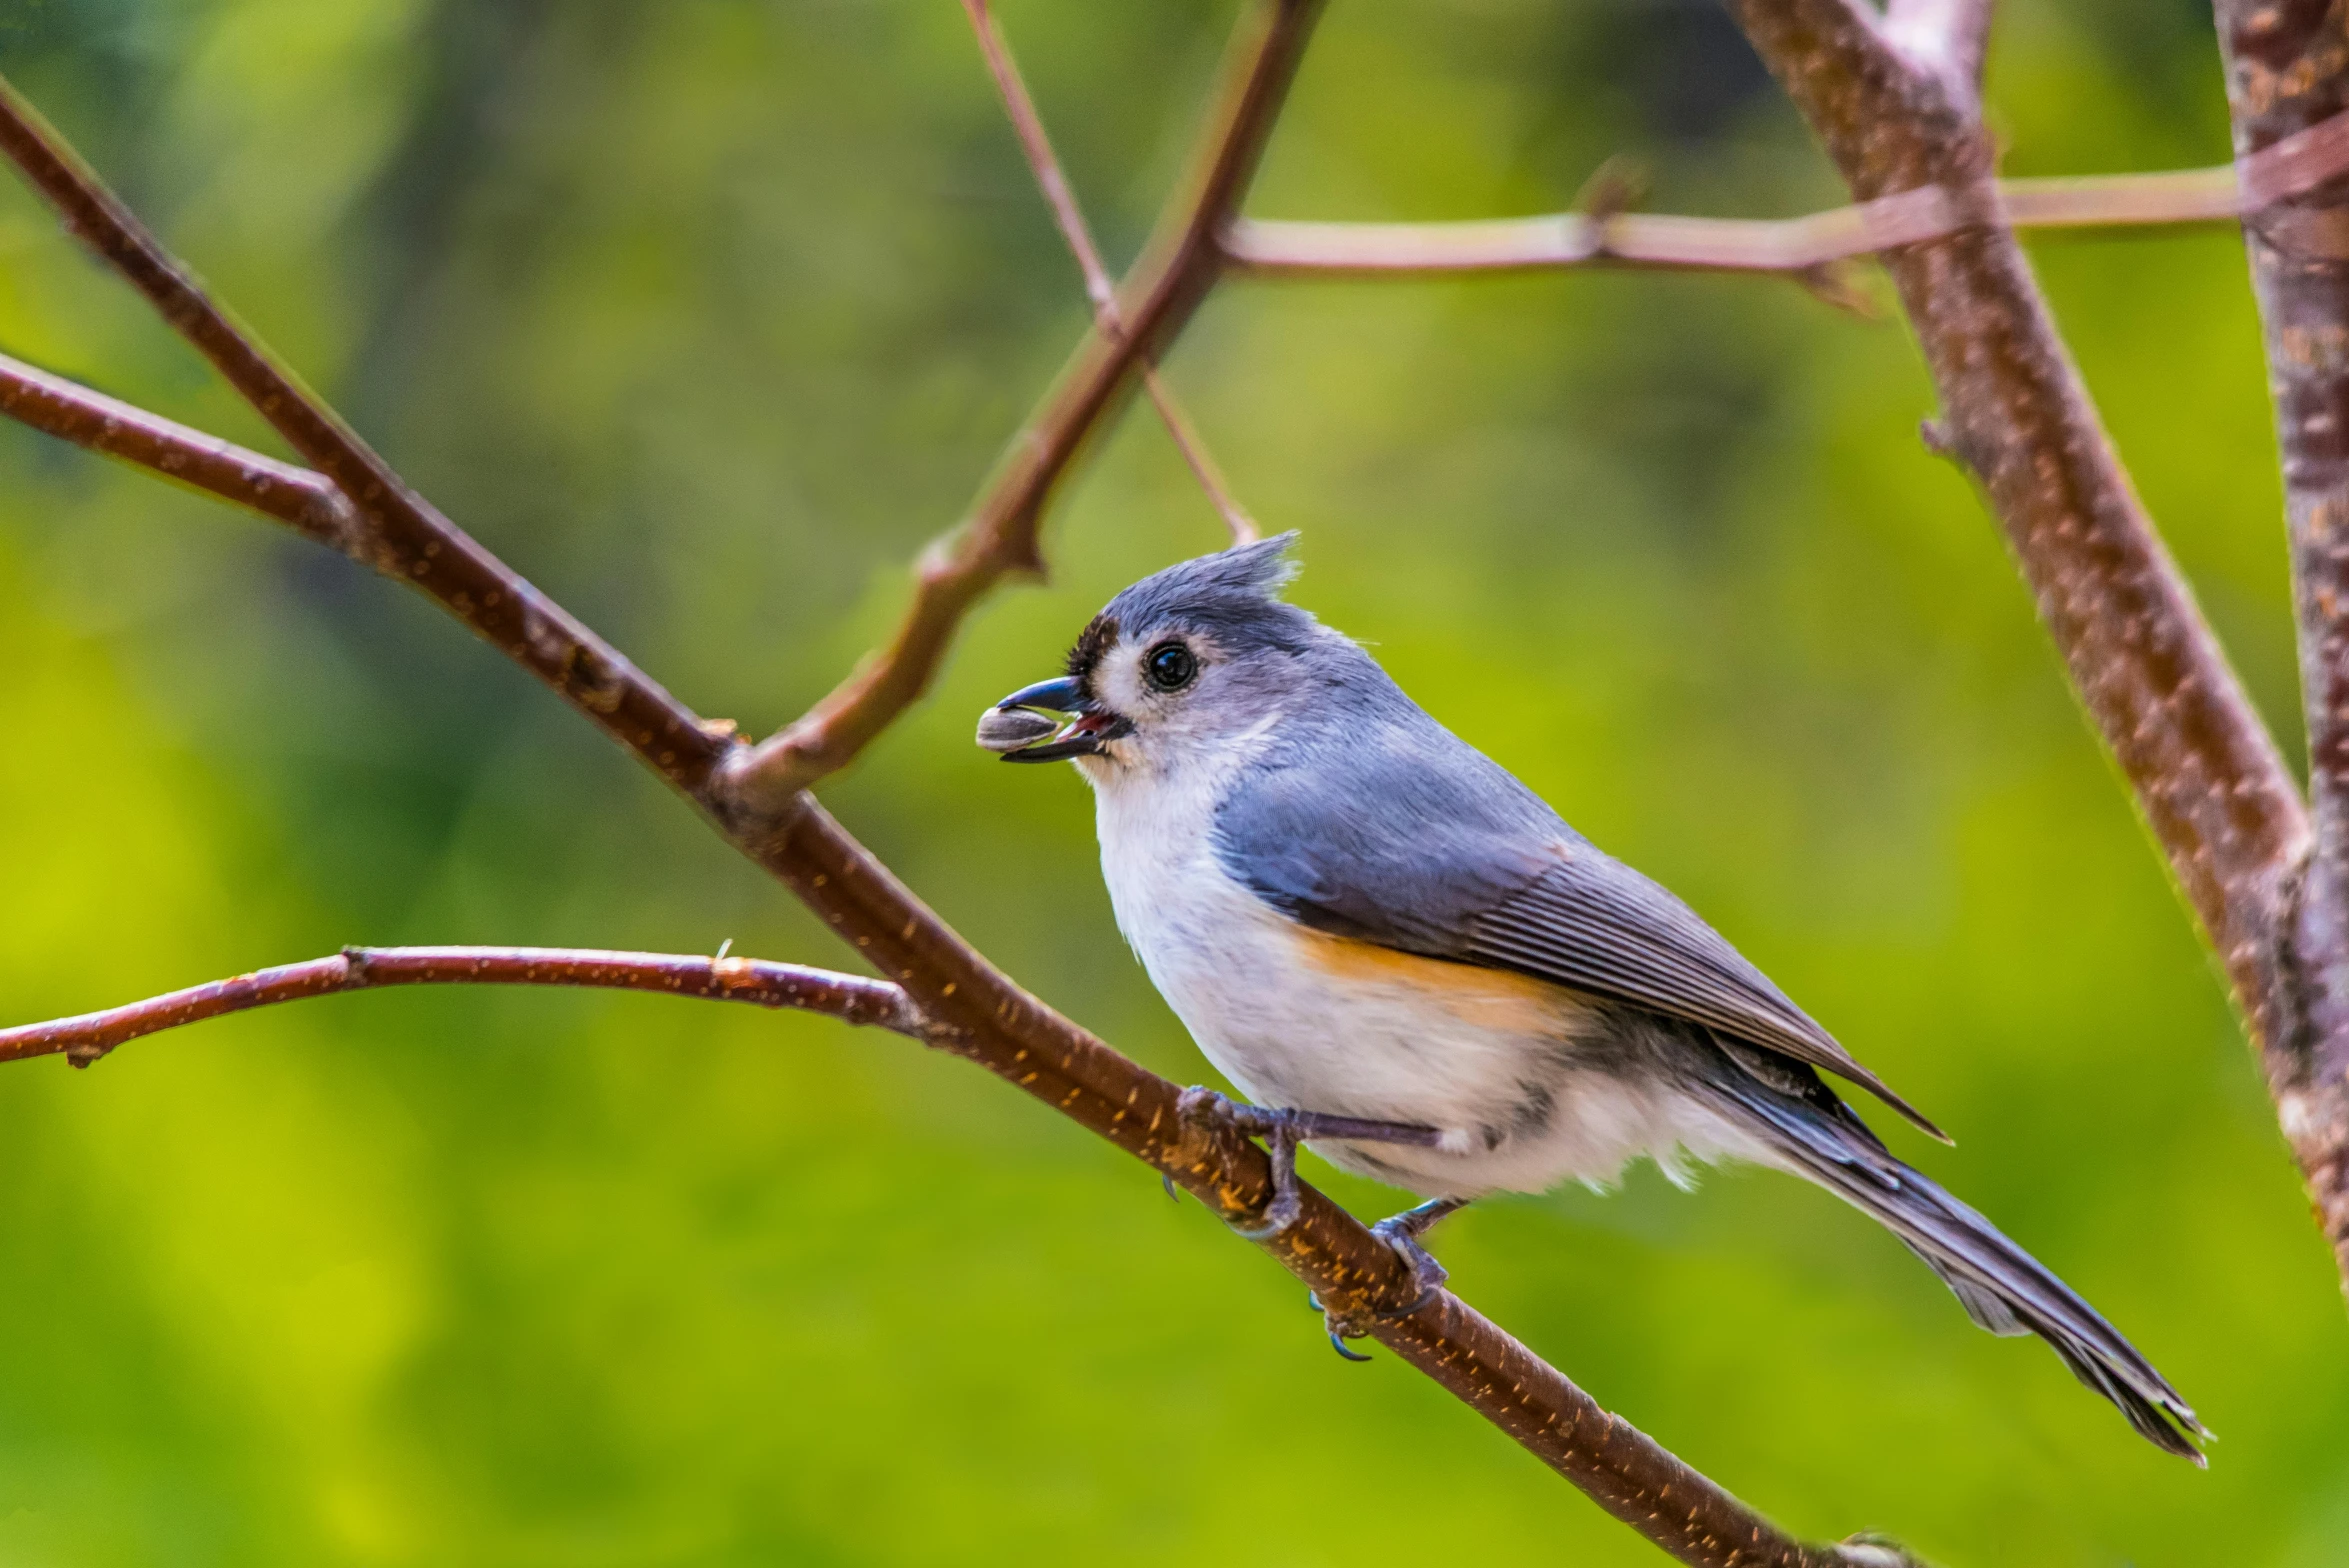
(1527, 1082)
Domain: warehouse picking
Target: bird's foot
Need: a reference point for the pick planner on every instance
(1401, 1232)
(1282, 1131)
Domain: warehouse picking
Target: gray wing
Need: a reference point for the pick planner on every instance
(1392, 830)
(1594, 923)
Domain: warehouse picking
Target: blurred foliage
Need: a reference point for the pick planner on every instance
(705, 315)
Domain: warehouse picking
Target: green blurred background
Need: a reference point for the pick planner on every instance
(706, 314)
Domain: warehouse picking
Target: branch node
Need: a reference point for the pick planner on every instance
(1842, 283)
(1616, 186)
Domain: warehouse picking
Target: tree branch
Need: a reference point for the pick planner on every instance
(2151, 674)
(979, 1011)
(2288, 81)
(307, 501)
(397, 532)
(849, 998)
(1174, 274)
(1798, 245)
(1028, 125)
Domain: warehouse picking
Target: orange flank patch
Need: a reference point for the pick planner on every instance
(1496, 999)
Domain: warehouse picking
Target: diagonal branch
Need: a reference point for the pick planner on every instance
(2288, 80)
(2147, 667)
(1175, 272)
(295, 496)
(397, 532)
(1028, 125)
(849, 998)
(978, 1011)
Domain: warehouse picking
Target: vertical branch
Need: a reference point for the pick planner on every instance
(2287, 69)
(2203, 767)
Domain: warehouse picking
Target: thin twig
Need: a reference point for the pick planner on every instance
(2150, 672)
(1175, 272)
(2288, 78)
(981, 1013)
(1028, 125)
(849, 998)
(1274, 247)
(306, 500)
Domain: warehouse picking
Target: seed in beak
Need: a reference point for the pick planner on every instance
(1008, 729)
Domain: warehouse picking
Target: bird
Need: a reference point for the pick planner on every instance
(1401, 954)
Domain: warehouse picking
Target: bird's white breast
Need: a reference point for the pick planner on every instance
(1302, 1020)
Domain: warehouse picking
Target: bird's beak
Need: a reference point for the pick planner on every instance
(1022, 735)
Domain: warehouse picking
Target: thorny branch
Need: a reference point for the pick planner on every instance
(976, 1010)
(850, 998)
(1028, 125)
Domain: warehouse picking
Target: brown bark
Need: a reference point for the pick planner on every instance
(849, 998)
(2203, 767)
(296, 496)
(397, 532)
(2288, 71)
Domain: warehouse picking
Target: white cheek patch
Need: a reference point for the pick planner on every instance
(1117, 679)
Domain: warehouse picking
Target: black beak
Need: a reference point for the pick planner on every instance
(1095, 724)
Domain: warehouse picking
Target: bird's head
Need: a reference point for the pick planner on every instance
(1180, 667)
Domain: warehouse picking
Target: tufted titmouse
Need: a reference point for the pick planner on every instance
(1401, 953)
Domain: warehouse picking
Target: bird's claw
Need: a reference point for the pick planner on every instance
(1427, 1275)
(1278, 1129)
(1401, 1233)
(1282, 1130)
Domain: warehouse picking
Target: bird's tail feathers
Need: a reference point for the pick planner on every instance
(2002, 1287)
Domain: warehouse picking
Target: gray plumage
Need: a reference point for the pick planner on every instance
(1275, 812)
(1443, 852)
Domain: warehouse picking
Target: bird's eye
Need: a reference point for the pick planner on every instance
(1170, 666)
